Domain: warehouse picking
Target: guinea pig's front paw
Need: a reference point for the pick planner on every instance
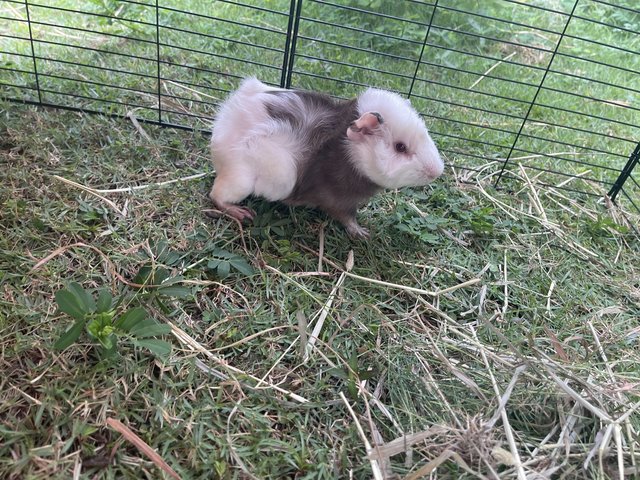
(240, 213)
(357, 232)
(235, 211)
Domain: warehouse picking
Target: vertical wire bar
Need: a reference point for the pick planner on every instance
(158, 62)
(33, 52)
(634, 159)
(424, 44)
(287, 45)
(535, 97)
(294, 41)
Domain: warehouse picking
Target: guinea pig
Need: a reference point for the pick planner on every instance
(306, 148)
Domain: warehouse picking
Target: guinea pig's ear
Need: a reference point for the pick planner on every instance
(365, 125)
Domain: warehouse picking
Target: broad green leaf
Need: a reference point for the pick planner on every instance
(220, 253)
(70, 336)
(160, 348)
(149, 328)
(175, 291)
(223, 269)
(70, 304)
(130, 318)
(104, 301)
(241, 265)
(85, 297)
(144, 275)
(338, 372)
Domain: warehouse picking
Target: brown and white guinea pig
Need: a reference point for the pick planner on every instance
(305, 148)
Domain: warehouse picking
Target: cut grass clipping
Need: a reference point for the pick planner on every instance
(479, 334)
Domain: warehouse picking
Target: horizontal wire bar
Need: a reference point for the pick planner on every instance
(555, 157)
(361, 30)
(587, 79)
(578, 129)
(629, 9)
(605, 24)
(94, 99)
(598, 62)
(382, 15)
(97, 50)
(97, 67)
(17, 70)
(537, 7)
(534, 167)
(93, 14)
(118, 116)
(91, 82)
(217, 55)
(501, 20)
(469, 124)
(438, 133)
(187, 114)
(231, 40)
(353, 65)
(12, 85)
(357, 49)
(93, 32)
(195, 85)
(590, 115)
(13, 19)
(602, 44)
(188, 99)
(201, 69)
(466, 106)
(510, 132)
(14, 37)
(253, 7)
(493, 39)
(223, 20)
(574, 145)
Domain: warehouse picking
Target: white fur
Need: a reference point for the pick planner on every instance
(250, 146)
(375, 156)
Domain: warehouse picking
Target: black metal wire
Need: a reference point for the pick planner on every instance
(294, 43)
(424, 44)
(626, 173)
(159, 76)
(33, 54)
(535, 96)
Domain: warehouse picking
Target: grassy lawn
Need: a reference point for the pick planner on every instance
(480, 333)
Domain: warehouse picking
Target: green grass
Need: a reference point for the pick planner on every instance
(539, 293)
(558, 289)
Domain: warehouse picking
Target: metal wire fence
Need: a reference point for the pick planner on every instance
(551, 85)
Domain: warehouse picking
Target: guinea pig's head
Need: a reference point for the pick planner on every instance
(389, 142)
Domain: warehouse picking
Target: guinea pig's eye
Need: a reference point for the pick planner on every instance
(401, 147)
